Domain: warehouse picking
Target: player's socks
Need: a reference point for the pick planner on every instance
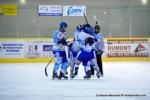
(76, 69)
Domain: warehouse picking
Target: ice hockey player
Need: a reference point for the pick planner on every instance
(86, 53)
(99, 48)
(74, 48)
(59, 39)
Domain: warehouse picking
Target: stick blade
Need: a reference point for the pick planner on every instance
(46, 72)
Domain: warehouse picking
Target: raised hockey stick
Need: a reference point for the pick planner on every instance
(95, 19)
(85, 18)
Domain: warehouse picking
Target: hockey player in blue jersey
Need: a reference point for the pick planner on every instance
(59, 39)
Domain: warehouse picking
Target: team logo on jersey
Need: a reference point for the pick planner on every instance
(139, 48)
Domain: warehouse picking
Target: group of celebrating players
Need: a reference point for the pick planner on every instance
(87, 48)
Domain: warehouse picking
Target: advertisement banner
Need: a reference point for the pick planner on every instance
(42, 48)
(11, 49)
(1, 10)
(50, 10)
(33, 49)
(127, 48)
(72, 10)
(38, 48)
(8, 10)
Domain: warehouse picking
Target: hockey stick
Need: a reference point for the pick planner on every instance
(95, 18)
(47, 66)
(85, 18)
(51, 61)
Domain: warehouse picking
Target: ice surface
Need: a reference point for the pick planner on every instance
(27, 81)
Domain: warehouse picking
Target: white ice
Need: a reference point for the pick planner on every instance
(27, 81)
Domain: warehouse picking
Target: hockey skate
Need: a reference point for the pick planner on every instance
(87, 76)
(62, 75)
(98, 74)
(74, 74)
(66, 72)
(55, 76)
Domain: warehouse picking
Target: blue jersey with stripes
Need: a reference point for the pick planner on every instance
(58, 36)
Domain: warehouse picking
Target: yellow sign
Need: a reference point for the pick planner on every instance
(1, 10)
(8, 10)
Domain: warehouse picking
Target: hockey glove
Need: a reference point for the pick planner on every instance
(62, 41)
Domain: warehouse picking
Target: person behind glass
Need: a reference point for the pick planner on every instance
(99, 49)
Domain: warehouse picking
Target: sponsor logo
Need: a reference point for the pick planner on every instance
(73, 10)
(43, 9)
(50, 10)
(119, 48)
(139, 48)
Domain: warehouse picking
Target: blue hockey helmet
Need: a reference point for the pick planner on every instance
(63, 24)
(89, 30)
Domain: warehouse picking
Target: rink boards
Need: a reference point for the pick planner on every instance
(40, 49)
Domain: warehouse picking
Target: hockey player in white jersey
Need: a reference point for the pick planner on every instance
(74, 48)
(86, 53)
(59, 39)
